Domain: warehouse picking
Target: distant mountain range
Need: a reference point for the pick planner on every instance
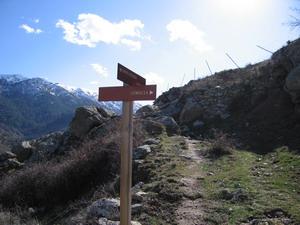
(33, 106)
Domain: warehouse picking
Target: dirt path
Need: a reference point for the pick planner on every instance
(191, 210)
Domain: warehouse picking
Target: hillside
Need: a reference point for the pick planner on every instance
(35, 107)
(258, 104)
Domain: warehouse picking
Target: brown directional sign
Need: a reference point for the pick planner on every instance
(129, 77)
(134, 88)
(127, 93)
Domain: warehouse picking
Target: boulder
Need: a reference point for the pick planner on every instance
(292, 84)
(190, 112)
(170, 124)
(198, 124)
(139, 196)
(141, 152)
(104, 221)
(23, 150)
(152, 127)
(41, 149)
(145, 111)
(136, 209)
(107, 208)
(10, 164)
(87, 118)
(151, 141)
(7, 155)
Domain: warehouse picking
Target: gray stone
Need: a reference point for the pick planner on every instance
(139, 196)
(170, 124)
(136, 209)
(104, 221)
(108, 208)
(46, 147)
(137, 187)
(190, 112)
(141, 152)
(23, 150)
(7, 155)
(151, 141)
(198, 124)
(152, 127)
(87, 118)
(145, 111)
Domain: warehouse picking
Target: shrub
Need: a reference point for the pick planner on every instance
(221, 145)
(58, 182)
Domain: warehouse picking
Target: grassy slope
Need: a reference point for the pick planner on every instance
(272, 181)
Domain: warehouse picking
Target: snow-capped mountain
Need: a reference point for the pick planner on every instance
(35, 106)
(12, 78)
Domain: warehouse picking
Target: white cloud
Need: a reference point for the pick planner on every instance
(91, 29)
(29, 29)
(154, 78)
(101, 70)
(186, 31)
(95, 82)
(36, 20)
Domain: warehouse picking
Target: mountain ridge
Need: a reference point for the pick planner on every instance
(35, 106)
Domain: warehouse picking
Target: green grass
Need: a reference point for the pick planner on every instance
(271, 181)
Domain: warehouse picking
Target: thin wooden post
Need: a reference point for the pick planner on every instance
(126, 163)
(232, 60)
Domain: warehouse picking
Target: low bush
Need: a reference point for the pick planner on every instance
(220, 145)
(54, 183)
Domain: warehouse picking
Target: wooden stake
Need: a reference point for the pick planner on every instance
(126, 163)
(232, 60)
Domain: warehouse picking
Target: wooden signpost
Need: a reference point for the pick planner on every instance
(134, 88)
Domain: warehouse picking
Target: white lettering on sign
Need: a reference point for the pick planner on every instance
(141, 93)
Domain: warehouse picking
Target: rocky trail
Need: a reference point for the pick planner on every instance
(190, 210)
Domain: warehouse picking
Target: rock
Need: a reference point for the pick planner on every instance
(7, 155)
(141, 152)
(145, 111)
(23, 150)
(10, 164)
(151, 141)
(152, 127)
(136, 209)
(104, 221)
(108, 208)
(137, 187)
(46, 147)
(87, 118)
(139, 196)
(170, 124)
(190, 112)
(198, 124)
(292, 84)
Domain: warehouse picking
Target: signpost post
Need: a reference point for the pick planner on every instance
(134, 88)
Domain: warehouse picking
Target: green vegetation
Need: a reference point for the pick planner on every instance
(267, 182)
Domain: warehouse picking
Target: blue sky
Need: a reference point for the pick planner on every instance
(79, 42)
